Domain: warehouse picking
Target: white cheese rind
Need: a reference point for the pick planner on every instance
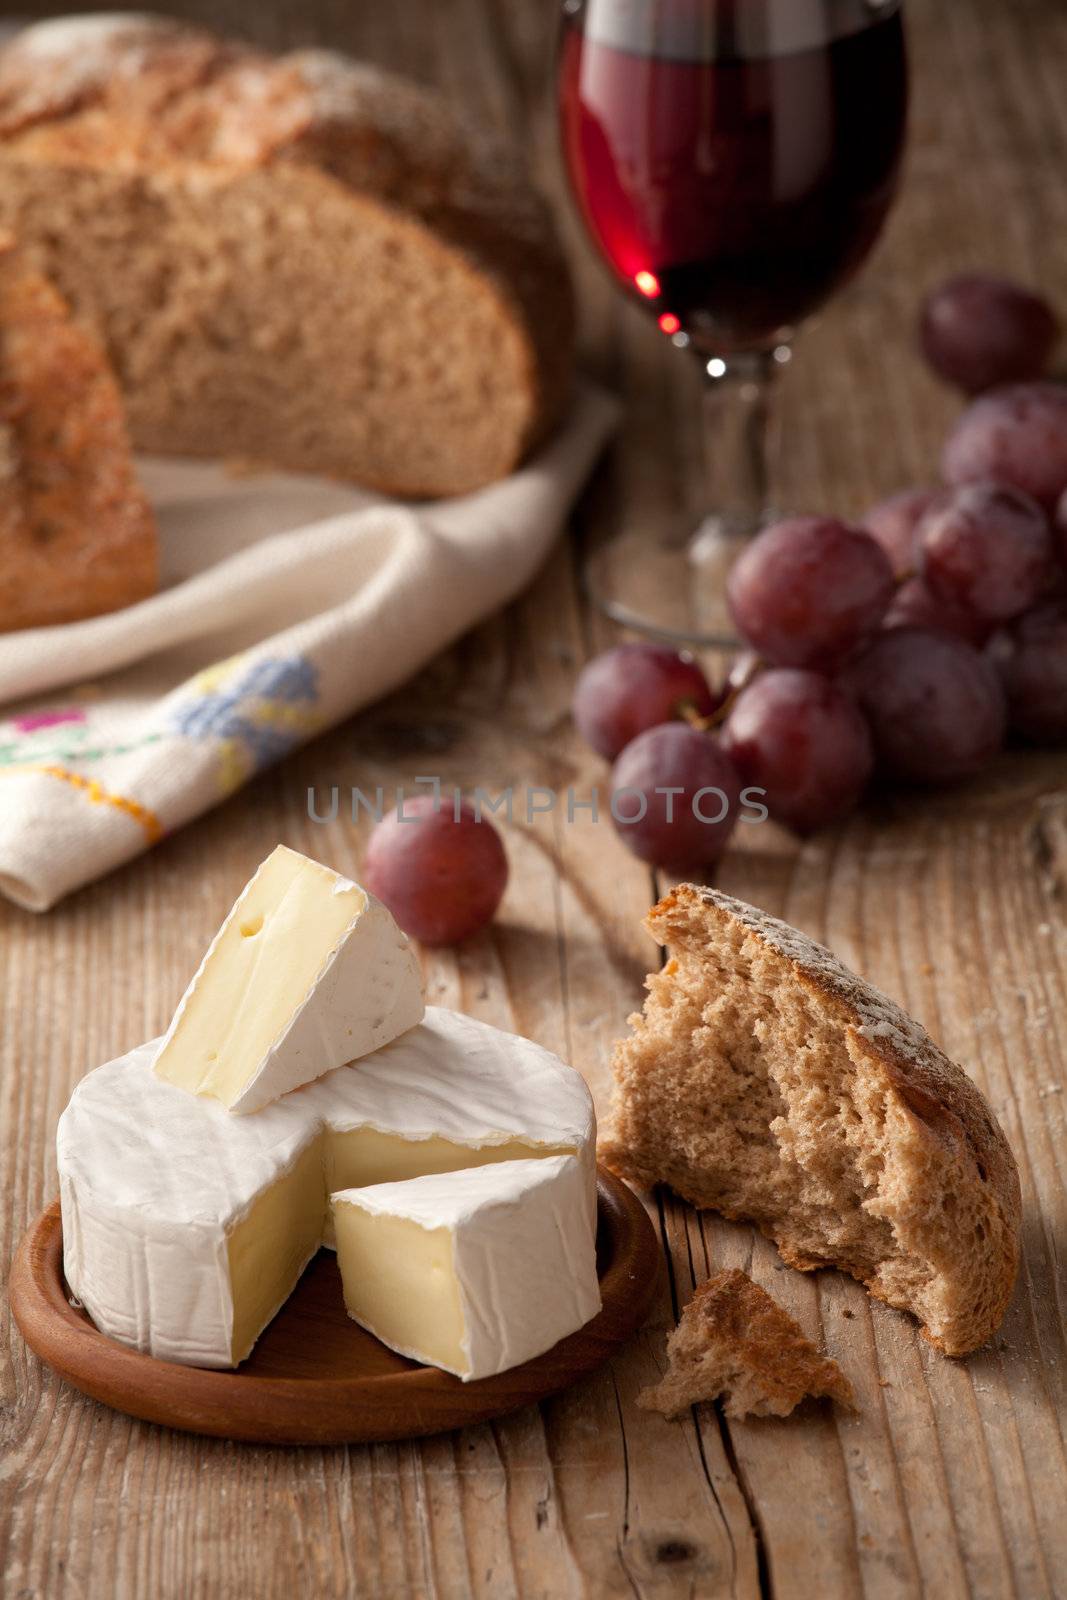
(526, 1274)
(153, 1179)
(367, 993)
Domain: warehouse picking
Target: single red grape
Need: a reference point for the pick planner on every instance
(1031, 657)
(807, 591)
(935, 704)
(978, 331)
(1016, 435)
(798, 737)
(915, 606)
(685, 829)
(634, 687)
(893, 523)
(986, 549)
(441, 877)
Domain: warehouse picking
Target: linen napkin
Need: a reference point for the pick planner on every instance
(287, 603)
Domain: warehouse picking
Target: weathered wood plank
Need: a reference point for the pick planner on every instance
(946, 1481)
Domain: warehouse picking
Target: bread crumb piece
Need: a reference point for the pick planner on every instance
(734, 1340)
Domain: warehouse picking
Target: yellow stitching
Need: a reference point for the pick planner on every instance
(297, 721)
(94, 790)
(235, 765)
(276, 714)
(211, 678)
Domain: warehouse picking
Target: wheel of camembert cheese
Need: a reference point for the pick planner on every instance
(462, 1160)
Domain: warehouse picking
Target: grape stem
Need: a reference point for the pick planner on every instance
(707, 724)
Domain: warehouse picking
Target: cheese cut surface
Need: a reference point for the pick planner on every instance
(307, 972)
(400, 1284)
(270, 1247)
(367, 1155)
(185, 1228)
(472, 1271)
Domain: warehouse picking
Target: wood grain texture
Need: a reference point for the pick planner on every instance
(949, 1481)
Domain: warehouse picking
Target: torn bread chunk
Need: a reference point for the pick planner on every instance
(734, 1340)
(767, 1082)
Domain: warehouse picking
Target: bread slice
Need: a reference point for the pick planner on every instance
(733, 1339)
(297, 259)
(77, 536)
(769, 1083)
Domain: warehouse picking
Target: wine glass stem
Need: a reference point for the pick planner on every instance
(739, 429)
(739, 418)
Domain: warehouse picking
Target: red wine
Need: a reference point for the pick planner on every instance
(732, 179)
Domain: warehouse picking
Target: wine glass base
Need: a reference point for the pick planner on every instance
(672, 589)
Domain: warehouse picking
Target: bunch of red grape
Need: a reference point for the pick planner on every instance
(906, 647)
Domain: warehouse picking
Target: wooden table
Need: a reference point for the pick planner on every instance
(951, 1480)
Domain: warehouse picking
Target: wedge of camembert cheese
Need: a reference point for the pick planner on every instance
(471, 1271)
(185, 1228)
(307, 972)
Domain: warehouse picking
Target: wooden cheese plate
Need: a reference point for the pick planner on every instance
(315, 1377)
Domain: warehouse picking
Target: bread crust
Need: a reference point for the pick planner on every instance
(143, 95)
(952, 1135)
(77, 535)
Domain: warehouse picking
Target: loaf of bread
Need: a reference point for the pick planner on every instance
(734, 1340)
(77, 536)
(768, 1082)
(299, 259)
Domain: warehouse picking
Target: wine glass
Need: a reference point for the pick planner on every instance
(733, 161)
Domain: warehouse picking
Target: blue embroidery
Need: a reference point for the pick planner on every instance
(265, 708)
